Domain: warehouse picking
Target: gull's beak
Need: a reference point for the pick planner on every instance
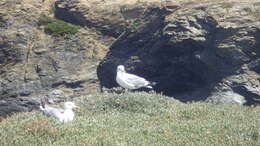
(76, 107)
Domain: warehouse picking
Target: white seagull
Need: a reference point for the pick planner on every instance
(62, 115)
(131, 81)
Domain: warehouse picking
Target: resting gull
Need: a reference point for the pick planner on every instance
(131, 81)
(62, 115)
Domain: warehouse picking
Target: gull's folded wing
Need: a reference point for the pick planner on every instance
(135, 80)
(50, 111)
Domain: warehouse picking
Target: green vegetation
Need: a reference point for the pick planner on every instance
(137, 119)
(257, 4)
(57, 27)
(136, 23)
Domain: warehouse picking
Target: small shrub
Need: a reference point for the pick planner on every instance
(57, 27)
(136, 23)
(43, 20)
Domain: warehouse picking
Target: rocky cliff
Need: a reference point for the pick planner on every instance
(195, 51)
(35, 65)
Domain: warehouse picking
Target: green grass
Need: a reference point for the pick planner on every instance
(57, 27)
(137, 119)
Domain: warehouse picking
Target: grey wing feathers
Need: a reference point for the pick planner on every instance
(136, 80)
(53, 111)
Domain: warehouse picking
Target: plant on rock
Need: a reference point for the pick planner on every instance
(57, 27)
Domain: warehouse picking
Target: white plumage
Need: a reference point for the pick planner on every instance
(130, 81)
(62, 115)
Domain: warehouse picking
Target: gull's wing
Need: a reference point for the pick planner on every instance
(135, 80)
(53, 112)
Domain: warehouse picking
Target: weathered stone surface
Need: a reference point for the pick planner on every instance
(33, 63)
(110, 17)
(199, 49)
(8, 107)
(227, 97)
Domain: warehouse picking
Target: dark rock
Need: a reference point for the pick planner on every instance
(192, 51)
(255, 66)
(13, 106)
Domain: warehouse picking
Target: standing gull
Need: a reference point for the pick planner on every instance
(131, 81)
(62, 115)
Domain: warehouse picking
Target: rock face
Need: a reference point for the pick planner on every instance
(227, 97)
(10, 107)
(195, 53)
(33, 63)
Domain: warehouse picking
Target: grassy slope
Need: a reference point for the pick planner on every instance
(137, 119)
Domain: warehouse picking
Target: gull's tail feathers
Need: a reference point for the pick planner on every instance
(151, 84)
(150, 87)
